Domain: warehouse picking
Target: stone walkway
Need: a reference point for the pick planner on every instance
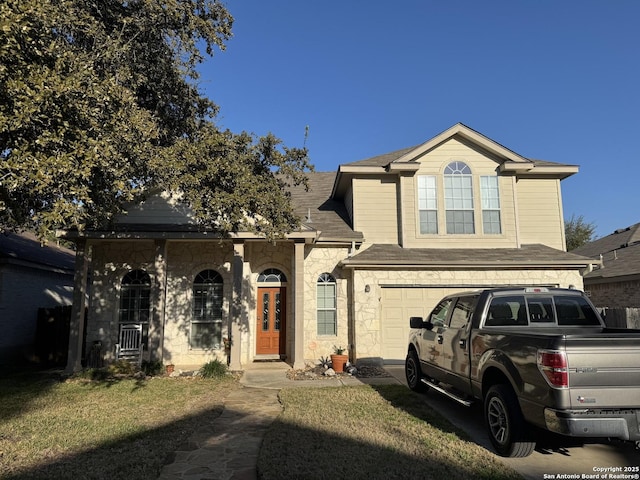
(228, 448)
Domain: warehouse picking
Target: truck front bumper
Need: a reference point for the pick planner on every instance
(622, 423)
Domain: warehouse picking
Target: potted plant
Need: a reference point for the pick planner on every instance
(338, 359)
(170, 368)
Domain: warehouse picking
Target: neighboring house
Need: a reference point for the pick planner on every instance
(615, 283)
(381, 239)
(31, 276)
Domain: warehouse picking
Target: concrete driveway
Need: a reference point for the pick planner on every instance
(555, 457)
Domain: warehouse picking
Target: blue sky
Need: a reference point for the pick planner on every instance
(551, 80)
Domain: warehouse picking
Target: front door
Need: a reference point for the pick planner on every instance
(270, 339)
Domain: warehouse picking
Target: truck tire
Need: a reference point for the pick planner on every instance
(508, 432)
(413, 373)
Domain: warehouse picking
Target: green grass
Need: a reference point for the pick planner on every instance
(112, 428)
(379, 432)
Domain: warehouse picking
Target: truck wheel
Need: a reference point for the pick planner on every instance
(413, 373)
(508, 432)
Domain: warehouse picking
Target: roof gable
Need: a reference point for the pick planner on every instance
(468, 134)
(408, 159)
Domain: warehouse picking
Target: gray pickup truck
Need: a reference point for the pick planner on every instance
(536, 358)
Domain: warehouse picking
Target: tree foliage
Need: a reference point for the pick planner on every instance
(578, 232)
(99, 105)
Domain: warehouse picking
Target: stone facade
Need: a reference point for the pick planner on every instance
(367, 301)
(358, 294)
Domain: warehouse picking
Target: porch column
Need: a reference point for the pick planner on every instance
(237, 310)
(156, 332)
(298, 305)
(76, 331)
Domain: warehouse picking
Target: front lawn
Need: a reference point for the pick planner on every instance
(115, 428)
(378, 432)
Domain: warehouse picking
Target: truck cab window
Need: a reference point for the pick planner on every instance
(462, 312)
(439, 314)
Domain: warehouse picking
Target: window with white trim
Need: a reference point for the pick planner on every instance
(206, 321)
(428, 204)
(490, 195)
(326, 305)
(458, 198)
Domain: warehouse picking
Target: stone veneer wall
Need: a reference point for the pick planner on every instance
(368, 313)
(110, 261)
(319, 260)
(184, 261)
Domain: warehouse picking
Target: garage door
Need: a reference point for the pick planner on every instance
(400, 303)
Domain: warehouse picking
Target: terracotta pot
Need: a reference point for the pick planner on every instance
(338, 361)
(170, 369)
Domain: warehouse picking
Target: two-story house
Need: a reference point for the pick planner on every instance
(381, 239)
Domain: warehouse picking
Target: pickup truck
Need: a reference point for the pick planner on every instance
(537, 358)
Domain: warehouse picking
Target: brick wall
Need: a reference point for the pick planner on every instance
(615, 295)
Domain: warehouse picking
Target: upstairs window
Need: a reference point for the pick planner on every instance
(458, 198)
(206, 322)
(327, 314)
(428, 204)
(490, 205)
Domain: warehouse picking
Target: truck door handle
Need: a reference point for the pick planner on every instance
(463, 343)
(440, 339)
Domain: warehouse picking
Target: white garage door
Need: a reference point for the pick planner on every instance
(400, 303)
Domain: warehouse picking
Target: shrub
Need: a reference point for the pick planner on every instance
(213, 369)
(152, 368)
(122, 367)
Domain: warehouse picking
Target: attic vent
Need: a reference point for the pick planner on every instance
(622, 230)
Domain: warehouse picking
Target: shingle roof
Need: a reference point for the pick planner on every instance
(381, 160)
(327, 215)
(26, 247)
(619, 239)
(528, 256)
(620, 253)
(618, 263)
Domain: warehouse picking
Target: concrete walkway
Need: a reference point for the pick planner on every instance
(228, 448)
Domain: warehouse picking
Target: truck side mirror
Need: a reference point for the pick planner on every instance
(416, 322)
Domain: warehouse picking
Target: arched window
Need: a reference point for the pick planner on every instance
(458, 198)
(135, 292)
(272, 275)
(327, 314)
(206, 322)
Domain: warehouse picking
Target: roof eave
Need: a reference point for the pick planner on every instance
(530, 169)
(353, 263)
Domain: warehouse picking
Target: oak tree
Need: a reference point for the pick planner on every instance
(99, 105)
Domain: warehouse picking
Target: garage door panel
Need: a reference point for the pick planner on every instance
(398, 305)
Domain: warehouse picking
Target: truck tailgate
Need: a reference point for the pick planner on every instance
(604, 370)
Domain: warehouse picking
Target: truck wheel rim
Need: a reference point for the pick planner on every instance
(411, 372)
(498, 420)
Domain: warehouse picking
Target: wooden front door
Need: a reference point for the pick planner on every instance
(270, 329)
